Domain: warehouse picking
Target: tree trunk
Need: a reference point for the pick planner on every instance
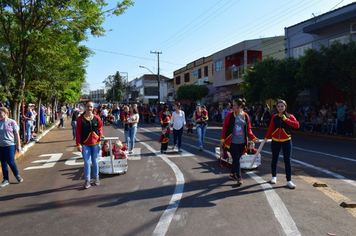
(39, 112)
(54, 107)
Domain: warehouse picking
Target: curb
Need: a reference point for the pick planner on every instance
(28, 146)
(31, 144)
(352, 138)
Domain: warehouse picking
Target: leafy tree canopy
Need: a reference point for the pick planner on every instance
(192, 92)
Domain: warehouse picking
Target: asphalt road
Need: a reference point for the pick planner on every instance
(181, 194)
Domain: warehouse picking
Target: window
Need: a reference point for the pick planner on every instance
(253, 59)
(199, 73)
(178, 80)
(206, 71)
(343, 39)
(186, 77)
(151, 91)
(218, 65)
(299, 51)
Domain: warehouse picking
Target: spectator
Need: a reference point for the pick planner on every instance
(319, 121)
(225, 111)
(42, 118)
(9, 143)
(330, 124)
(302, 121)
(348, 121)
(341, 119)
(28, 123)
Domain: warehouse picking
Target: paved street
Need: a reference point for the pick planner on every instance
(181, 194)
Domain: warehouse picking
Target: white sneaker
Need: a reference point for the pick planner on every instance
(273, 180)
(291, 185)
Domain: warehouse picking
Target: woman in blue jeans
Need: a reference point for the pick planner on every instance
(28, 123)
(9, 143)
(130, 134)
(178, 123)
(88, 134)
(200, 117)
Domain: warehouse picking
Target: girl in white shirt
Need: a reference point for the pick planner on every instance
(178, 124)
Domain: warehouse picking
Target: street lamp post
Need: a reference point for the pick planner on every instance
(159, 82)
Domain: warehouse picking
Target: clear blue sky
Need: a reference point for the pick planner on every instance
(186, 30)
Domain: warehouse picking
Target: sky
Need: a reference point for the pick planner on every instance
(186, 30)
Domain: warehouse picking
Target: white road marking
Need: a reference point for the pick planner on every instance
(135, 156)
(72, 161)
(167, 216)
(326, 154)
(318, 168)
(49, 163)
(349, 181)
(279, 209)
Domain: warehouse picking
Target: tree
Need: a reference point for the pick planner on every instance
(273, 79)
(335, 64)
(23, 27)
(192, 92)
(116, 87)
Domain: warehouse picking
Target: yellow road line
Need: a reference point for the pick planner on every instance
(334, 195)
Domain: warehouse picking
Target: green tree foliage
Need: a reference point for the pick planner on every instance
(335, 64)
(273, 79)
(116, 87)
(192, 92)
(25, 27)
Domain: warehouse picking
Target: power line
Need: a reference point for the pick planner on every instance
(127, 55)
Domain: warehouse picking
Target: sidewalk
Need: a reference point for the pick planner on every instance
(32, 143)
(26, 147)
(343, 137)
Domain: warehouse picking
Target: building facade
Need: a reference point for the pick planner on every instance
(337, 25)
(145, 89)
(98, 96)
(198, 72)
(231, 63)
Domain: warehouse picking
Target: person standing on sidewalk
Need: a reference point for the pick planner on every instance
(236, 129)
(28, 124)
(88, 134)
(75, 115)
(280, 131)
(9, 143)
(178, 124)
(61, 115)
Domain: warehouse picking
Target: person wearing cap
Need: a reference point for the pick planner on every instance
(9, 143)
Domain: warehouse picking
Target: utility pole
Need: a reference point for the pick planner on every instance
(159, 82)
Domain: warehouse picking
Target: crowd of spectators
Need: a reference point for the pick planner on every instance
(329, 118)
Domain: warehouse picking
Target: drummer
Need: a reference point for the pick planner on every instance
(236, 128)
